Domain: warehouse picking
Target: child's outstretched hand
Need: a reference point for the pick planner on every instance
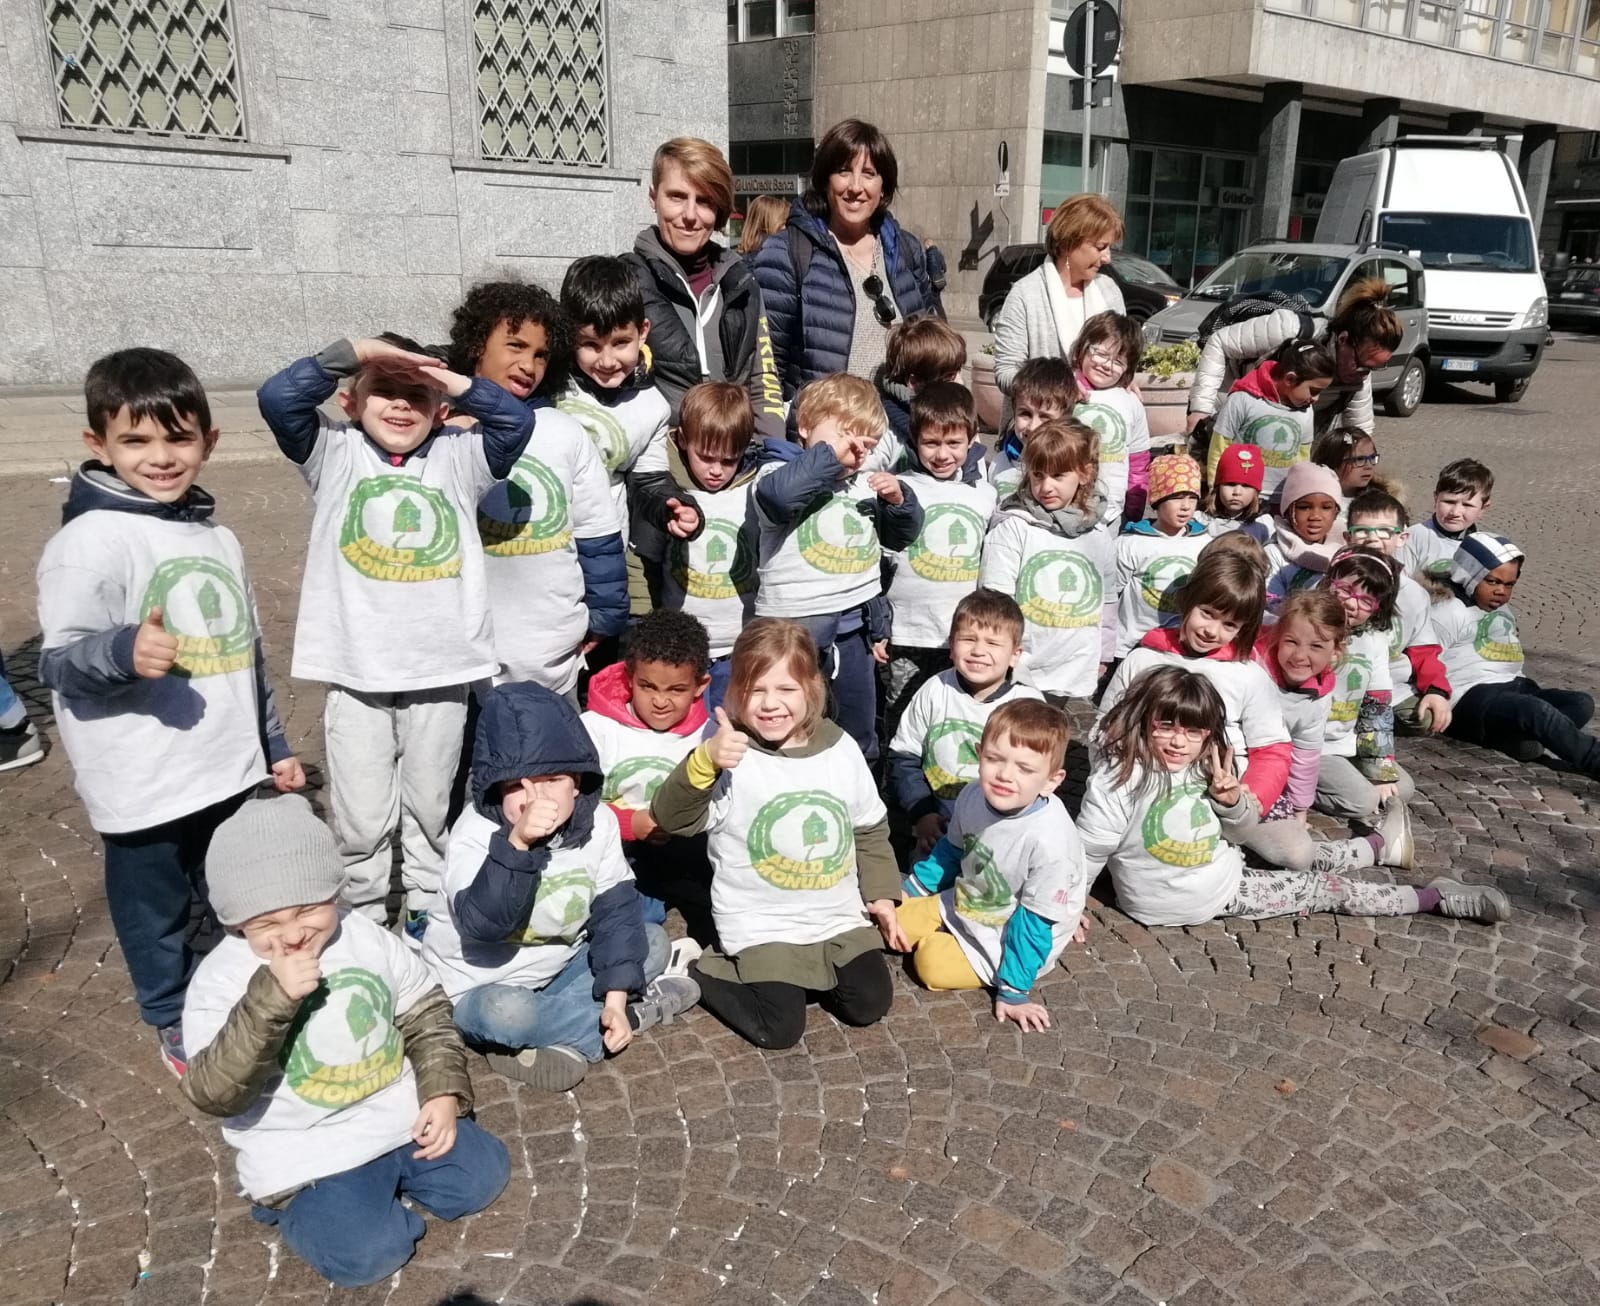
(297, 973)
(685, 517)
(538, 819)
(288, 775)
(1030, 1016)
(1433, 711)
(887, 919)
(728, 746)
(1224, 783)
(880, 652)
(887, 487)
(616, 1033)
(154, 649)
(434, 1132)
(929, 830)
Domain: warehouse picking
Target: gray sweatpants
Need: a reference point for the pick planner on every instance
(392, 759)
(1291, 845)
(1343, 792)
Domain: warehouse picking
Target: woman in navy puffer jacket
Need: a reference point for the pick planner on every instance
(843, 271)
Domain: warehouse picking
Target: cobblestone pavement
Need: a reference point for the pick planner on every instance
(1321, 1110)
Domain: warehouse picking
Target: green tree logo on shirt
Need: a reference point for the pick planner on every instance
(1278, 438)
(606, 432)
(1060, 590)
(802, 841)
(632, 783)
(1110, 426)
(1181, 829)
(204, 607)
(397, 528)
(982, 894)
(343, 1044)
(950, 544)
(950, 756)
(720, 564)
(837, 539)
(1161, 581)
(1496, 639)
(1350, 681)
(560, 909)
(533, 517)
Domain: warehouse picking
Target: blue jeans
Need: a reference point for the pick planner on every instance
(12, 713)
(153, 879)
(717, 690)
(852, 678)
(564, 1013)
(351, 1228)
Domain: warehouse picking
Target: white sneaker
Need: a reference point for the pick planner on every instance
(684, 951)
(1399, 849)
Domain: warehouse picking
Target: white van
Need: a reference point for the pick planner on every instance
(1455, 203)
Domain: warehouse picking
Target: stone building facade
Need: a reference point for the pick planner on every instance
(243, 180)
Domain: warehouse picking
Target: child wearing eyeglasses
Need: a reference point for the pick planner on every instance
(1377, 522)
(1164, 808)
(1352, 456)
(1359, 780)
(1105, 358)
(1495, 705)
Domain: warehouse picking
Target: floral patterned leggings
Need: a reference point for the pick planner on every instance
(1298, 893)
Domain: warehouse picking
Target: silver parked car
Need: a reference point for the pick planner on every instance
(1319, 274)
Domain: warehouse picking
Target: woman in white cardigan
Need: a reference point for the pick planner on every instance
(1046, 309)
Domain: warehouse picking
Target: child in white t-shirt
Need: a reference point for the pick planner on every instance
(1165, 803)
(943, 467)
(1305, 534)
(394, 610)
(327, 1048)
(1270, 407)
(1001, 894)
(1105, 359)
(1044, 390)
(1461, 494)
(803, 883)
(1155, 557)
(1234, 500)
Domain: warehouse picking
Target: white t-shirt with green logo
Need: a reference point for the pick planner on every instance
(393, 597)
(1413, 625)
(557, 494)
(1064, 589)
(159, 749)
(1363, 670)
(713, 577)
(941, 566)
(635, 759)
(1165, 850)
(943, 724)
(630, 435)
(826, 562)
(558, 924)
(782, 846)
(1030, 860)
(1118, 419)
(1480, 648)
(1282, 434)
(1110, 483)
(344, 1093)
(1151, 570)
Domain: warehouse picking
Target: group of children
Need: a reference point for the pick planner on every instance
(770, 640)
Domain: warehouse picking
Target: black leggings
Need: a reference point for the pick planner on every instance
(772, 1014)
(1505, 715)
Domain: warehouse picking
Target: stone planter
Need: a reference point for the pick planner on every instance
(986, 393)
(1166, 406)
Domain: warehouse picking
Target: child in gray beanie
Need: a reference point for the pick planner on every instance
(329, 1049)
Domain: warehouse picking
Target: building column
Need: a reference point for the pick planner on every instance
(1114, 172)
(1534, 164)
(1464, 124)
(1277, 145)
(1380, 122)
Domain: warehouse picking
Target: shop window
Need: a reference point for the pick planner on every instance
(541, 81)
(758, 20)
(146, 67)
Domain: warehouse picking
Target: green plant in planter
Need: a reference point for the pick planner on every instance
(1171, 360)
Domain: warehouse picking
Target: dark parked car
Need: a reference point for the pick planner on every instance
(1575, 296)
(1146, 289)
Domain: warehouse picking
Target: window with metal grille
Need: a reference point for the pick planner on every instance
(541, 81)
(167, 66)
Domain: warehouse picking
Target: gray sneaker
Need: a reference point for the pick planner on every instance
(665, 997)
(20, 746)
(551, 1070)
(1399, 850)
(1471, 902)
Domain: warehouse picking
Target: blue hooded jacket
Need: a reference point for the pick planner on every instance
(812, 323)
(526, 730)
